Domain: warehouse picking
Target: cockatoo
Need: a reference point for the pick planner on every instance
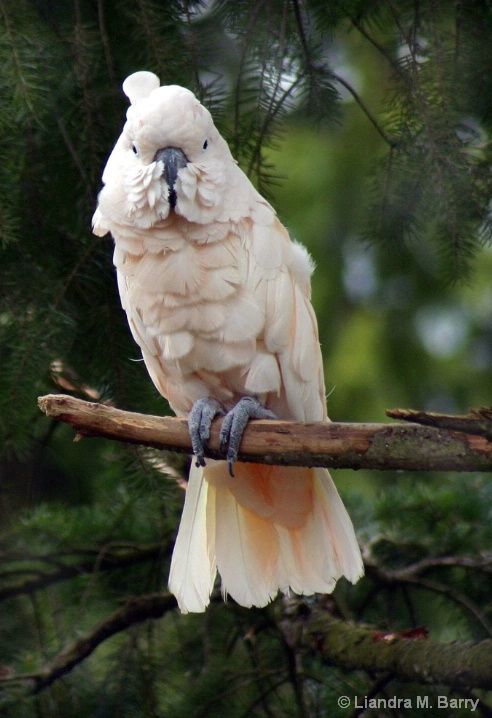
(218, 299)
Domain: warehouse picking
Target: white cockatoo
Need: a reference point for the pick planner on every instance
(218, 299)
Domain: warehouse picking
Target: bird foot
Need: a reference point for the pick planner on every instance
(200, 420)
(235, 422)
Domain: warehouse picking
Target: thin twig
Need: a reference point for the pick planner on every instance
(372, 119)
(411, 577)
(39, 580)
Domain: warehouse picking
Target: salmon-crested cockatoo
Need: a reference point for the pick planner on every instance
(218, 299)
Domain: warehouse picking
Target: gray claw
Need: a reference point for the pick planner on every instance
(234, 424)
(200, 420)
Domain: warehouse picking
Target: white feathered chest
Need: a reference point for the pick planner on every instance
(212, 305)
(183, 291)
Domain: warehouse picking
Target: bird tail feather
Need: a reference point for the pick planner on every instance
(266, 529)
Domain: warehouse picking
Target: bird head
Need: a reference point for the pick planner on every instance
(170, 158)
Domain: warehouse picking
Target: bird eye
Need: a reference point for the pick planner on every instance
(205, 144)
(134, 148)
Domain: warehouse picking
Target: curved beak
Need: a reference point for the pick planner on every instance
(173, 159)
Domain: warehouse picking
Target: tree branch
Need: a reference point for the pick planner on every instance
(410, 447)
(141, 608)
(460, 664)
(478, 421)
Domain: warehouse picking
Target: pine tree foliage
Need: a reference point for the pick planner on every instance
(435, 182)
(400, 92)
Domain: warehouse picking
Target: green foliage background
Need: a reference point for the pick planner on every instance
(368, 125)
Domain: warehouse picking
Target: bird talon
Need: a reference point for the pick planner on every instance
(225, 431)
(234, 424)
(200, 420)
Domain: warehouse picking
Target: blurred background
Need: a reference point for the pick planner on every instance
(367, 125)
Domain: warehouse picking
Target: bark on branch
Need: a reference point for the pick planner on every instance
(478, 421)
(395, 446)
(460, 664)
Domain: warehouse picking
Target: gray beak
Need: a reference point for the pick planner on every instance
(174, 159)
